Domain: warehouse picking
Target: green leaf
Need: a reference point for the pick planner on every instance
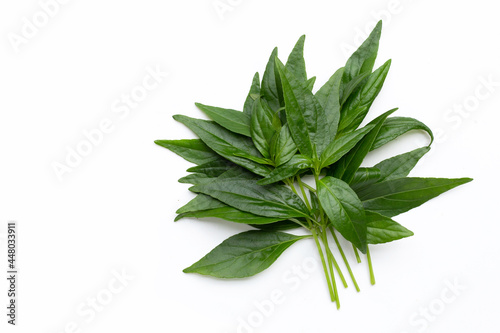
(347, 166)
(271, 86)
(214, 168)
(342, 145)
(287, 170)
(396, 126)
(352, 86)
(355, 109)
(283, 147)
(363, 59)
(199, 203)
(400, 166)
(262, 127)
(230, 214)
(244, 254)
(396, 196)
(195, 178)
(344, 210)
(328, 97)
(295, 63)
(306, 118)
(310, 83)
(277, 226)
(225, 143)
(193, 150)
(271, 200)
(364, 177)
(235, 121)
(253, 95)
(381, 229)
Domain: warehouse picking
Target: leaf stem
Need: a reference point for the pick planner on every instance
(358, 259)
(370, 266)
(330, 266)
(308, 204)
(344, 258)
(320, 250)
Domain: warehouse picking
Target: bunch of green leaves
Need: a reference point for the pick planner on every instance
(292, 158)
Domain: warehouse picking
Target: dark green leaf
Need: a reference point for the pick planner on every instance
(344, 210)
(352, 86)
(306, 118)
(277, 226)
(271, 200)
(393, 197)
(364, 177)
(355, 109)
(310, 83)
(231, 214)
(396, 126)
(235, 121)
(214, 168)
(199, 203)
(340, 146)
(283, 147)
(271, 87)
(225, 143)
(253, 94)
(287, 170)
(244, 254)
(400, 166)
(328, 97)
(262, 127)
(295, 63)
(347, 166)
(195, 178)
(194, 150)
(381, 229)
(363, 59)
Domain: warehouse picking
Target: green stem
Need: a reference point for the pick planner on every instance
(329, 252)
(320, 250)
(370, 266)
(344, 258)
(358, 259)
(303, 192)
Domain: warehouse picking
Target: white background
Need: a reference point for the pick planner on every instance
(114, 211)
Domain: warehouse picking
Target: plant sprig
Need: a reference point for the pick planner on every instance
(250, 164)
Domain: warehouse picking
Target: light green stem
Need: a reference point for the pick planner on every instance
(370, 266)
(344, 258)
(358, 259)
(320, 250)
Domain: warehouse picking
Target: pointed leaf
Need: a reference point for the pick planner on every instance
(195, 178)
(225, 143)
(328, 97)
(381, 229)
(355, 109)
(396, 126)
(283, 147)
(310, 83)
(244, 254)
(235, 121)
(287, 170)
(253, 95)
(192, 150)
(231, 214)
(277, 226)
(347, 166)
(393, 197)
(247, 195)
(400, 166)
(262, 127)
(295, 63)
(363, 59)
(364, 177)
(214, 168)
(271, 87)
(306, 118)
(342, 145)
(344, 210)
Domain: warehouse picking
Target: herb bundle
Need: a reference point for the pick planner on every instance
(251, 165)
